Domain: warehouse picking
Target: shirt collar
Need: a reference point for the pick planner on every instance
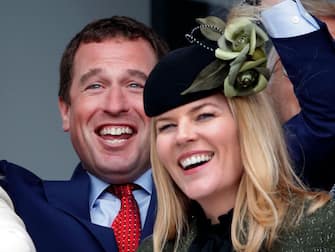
(98, 186)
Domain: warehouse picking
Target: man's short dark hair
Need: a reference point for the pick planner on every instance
(99, 31)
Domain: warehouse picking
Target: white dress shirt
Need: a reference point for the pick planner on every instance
(105, 206)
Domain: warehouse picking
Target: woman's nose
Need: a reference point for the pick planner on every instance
(185, 132)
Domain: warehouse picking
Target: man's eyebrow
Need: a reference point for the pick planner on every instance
(89, 74)
(137, 73)
(95, 71)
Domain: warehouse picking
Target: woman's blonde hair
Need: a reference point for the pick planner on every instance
(268, 190)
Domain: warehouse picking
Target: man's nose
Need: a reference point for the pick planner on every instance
(116, 101)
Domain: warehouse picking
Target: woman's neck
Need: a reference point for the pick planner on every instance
(218, 204)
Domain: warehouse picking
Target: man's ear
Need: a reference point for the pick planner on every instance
(64, 109)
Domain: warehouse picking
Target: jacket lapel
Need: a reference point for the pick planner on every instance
(72, 197)
(151, 216)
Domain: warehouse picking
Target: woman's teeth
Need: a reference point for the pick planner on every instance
(195, 160)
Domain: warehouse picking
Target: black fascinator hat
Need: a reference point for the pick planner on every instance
(233, 65)
(171, 76)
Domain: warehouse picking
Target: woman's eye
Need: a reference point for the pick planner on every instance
(205, 116)
(164, 127)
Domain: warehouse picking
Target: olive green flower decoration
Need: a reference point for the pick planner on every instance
(240, 66)
(239, 33)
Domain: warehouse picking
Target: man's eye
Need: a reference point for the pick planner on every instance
(135, 85)
(94, 86)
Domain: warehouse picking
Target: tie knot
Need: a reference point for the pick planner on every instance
(124, 190)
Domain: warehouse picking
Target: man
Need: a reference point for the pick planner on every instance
(102, 74)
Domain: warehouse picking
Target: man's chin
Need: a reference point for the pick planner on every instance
(118, 174)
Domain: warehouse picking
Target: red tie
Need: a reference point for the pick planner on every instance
(127, 224)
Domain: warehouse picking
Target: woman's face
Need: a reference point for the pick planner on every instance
(199, 146)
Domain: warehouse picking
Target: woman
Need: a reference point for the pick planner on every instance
(220, 164)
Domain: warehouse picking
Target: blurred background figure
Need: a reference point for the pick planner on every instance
(284, 99)
(281, 88)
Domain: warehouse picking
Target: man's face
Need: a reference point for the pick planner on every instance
(106, 120)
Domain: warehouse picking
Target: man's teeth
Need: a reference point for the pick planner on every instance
(116, 131)
(116, 141)
(195, 159)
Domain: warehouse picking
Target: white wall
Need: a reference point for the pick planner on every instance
(33, 35)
